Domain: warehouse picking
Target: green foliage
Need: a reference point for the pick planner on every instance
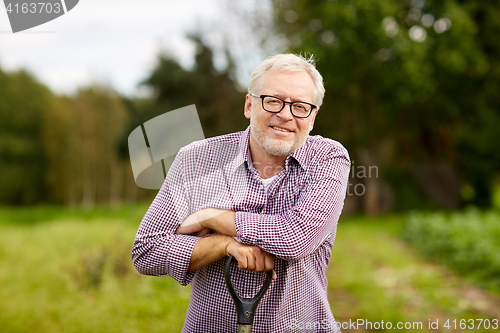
(469, 243)
(59, 149)
(375, 276)
(406, 99)
(23, 102)
(408, 194)
(84, 165)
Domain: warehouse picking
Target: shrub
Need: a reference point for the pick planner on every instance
(469, 242)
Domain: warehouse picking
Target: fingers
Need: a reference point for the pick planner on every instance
(268, 262)
(251, 258)
(243, 263)
(189, 229)
(251, 262)
(203, 232)
(191, 224)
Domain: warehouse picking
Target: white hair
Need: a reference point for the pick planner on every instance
(289, 62)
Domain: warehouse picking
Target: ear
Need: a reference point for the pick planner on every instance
(313, 117)
(248, 106)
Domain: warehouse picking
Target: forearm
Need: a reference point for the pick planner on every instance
(221, 221)
(209, 249)
(289, 236)
(202, 221)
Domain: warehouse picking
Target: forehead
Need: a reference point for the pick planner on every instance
(296, 85)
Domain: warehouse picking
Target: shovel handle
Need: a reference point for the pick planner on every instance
(245, 307)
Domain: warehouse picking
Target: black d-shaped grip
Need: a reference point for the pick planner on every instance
(245, 307)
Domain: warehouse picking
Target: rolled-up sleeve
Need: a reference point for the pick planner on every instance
(300, 230)
(157, 250)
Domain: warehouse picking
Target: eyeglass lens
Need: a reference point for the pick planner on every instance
(274, 104)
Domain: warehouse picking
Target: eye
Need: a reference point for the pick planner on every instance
(272, 101)
(299, 107)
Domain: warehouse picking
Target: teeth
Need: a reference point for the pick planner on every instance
(280, 129)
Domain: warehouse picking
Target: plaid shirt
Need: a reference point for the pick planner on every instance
(295, 219)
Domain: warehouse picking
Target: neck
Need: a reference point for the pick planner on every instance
(267, 165)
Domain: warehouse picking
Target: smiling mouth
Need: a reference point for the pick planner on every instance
(281, 129)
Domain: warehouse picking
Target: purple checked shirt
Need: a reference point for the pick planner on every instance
(295, 219)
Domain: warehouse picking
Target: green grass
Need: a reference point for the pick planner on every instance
(75, 275)
(70, 271)
(375, 276)
(29, 215)
(468, 242)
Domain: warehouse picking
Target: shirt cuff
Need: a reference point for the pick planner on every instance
(179, 256)
(246, 225)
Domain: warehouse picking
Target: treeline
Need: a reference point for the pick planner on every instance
(59, 149)
(73, 150)
(411, 91)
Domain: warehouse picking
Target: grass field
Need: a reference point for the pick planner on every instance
(70, 271)
(375, 276)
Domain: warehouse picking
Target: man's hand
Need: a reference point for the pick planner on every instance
(212, 248)
(201, 222)
(192, 224)
(251, 258)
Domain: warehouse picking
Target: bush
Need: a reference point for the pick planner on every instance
(469, 242)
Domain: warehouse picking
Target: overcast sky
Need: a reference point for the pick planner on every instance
(111, 41)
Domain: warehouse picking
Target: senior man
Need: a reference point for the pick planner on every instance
(270, 196)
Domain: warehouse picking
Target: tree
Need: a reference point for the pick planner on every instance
(23, 102)
(404, 80)
(479, 156)
(81, 134)
(216, 94)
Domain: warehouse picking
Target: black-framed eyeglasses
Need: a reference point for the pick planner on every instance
(275, 105)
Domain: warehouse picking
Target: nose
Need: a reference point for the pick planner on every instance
(286, 113)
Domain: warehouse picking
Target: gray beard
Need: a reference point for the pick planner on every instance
(270, 146)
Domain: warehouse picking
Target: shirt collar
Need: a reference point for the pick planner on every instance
(300, 155)
(244, 155)
(244, 150)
